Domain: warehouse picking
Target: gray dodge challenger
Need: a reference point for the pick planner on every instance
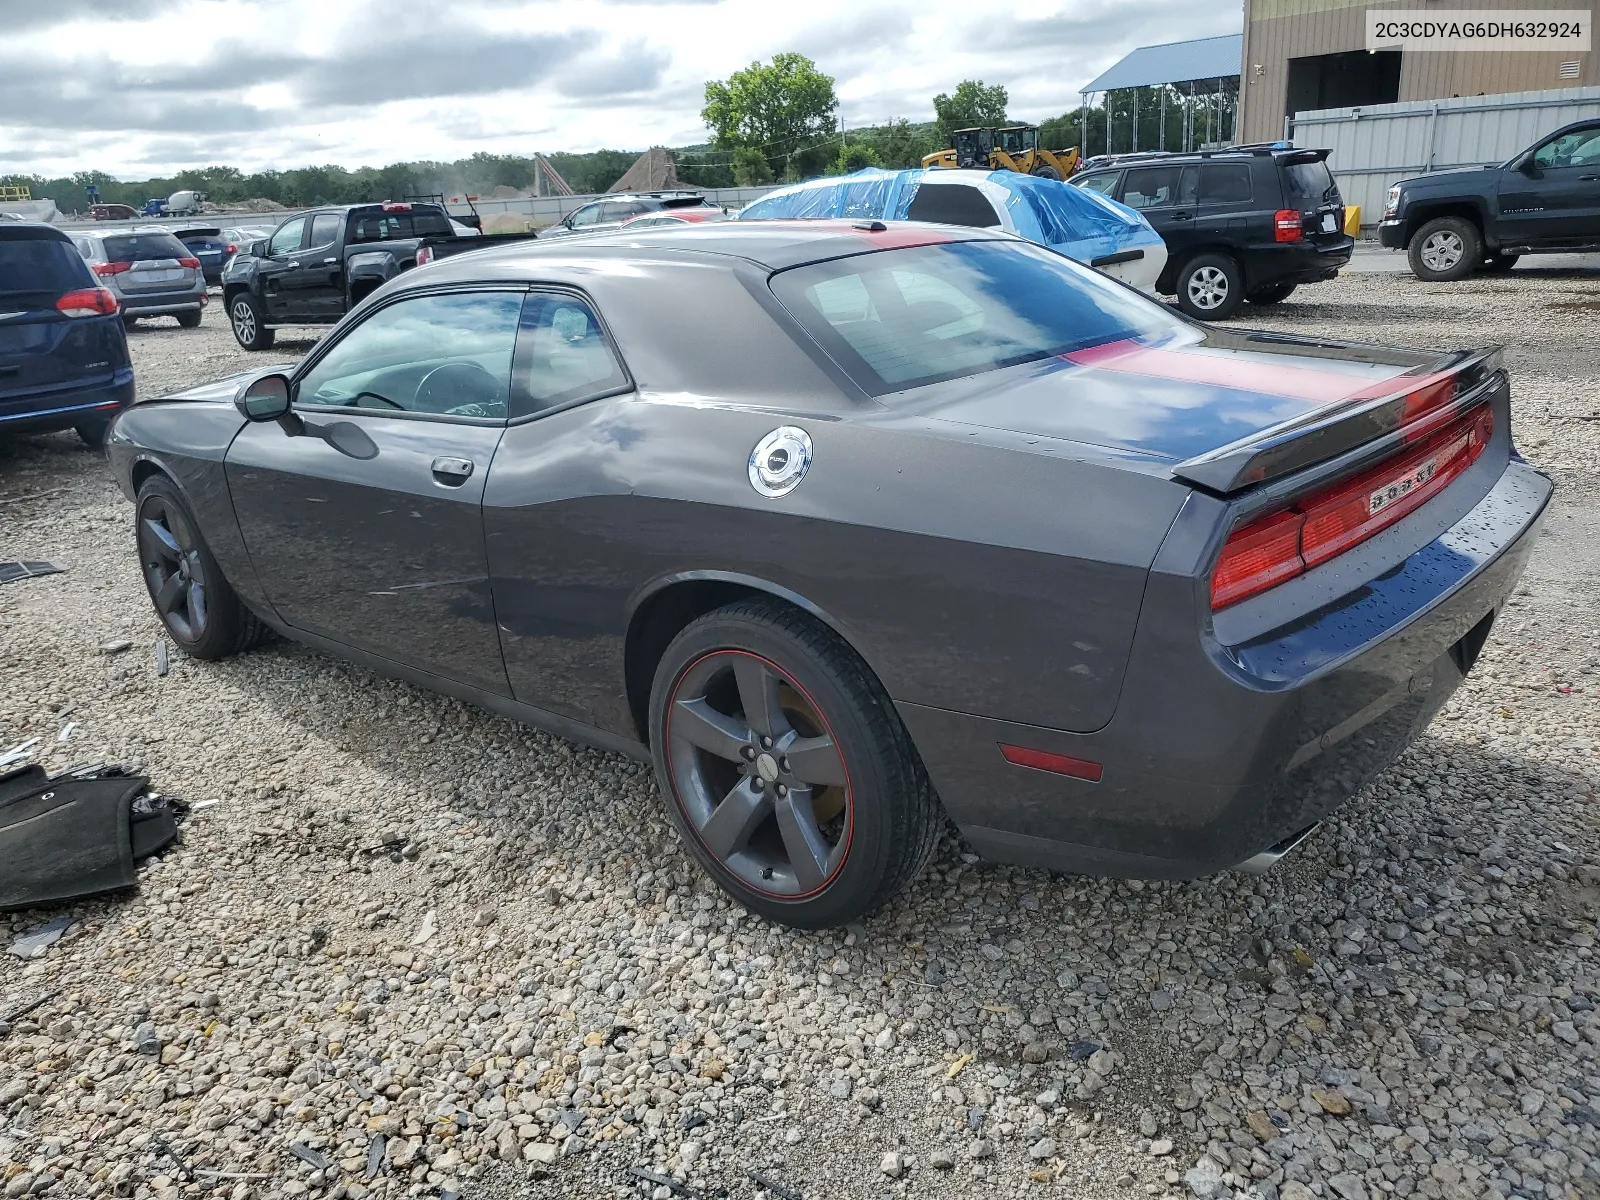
(853, 526)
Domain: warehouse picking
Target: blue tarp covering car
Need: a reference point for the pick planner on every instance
(1081, 224)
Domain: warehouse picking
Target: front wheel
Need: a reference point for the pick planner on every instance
(201, 612)
(1445, 249)
(785, 769)
(248, 321)
(1210, 287)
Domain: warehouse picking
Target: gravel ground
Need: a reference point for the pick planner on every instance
(533, 990)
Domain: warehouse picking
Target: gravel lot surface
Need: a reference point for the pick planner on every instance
(533, 990)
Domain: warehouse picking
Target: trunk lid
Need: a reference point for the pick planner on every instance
(1222, 409)
(1309, 188)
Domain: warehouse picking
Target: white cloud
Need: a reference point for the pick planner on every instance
(137, 87)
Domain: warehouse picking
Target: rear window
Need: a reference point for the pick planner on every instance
(40, 263)
(375, 225)
(953, 204)
(1310, 181)
(898, 319)
(141, 247)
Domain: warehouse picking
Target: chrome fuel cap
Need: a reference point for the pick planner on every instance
(780, 461)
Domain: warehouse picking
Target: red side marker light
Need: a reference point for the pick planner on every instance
(1059, 764)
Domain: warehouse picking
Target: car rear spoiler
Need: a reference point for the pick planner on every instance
(1428, 394)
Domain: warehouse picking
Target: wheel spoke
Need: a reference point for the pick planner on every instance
(758, 692)
(727, 830)
(170, 593)
(162, 540)
(808, 851)
(197, 608)
(716, 733)
(815, 760)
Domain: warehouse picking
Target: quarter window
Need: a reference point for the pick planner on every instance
(446, 355)
(562, 355)
(287, 239)
(953, 204)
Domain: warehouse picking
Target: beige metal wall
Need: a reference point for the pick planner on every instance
(1278, 30)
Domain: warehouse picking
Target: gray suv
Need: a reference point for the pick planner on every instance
(150, 272)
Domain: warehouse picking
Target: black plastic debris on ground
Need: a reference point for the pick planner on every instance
(312, 1158)
(771, 1186)
(375, 1149)
(675, 1187)
(10, 572)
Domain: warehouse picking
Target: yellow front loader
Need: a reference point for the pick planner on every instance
(1013, 148)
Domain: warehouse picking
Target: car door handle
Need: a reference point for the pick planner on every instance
(1589, 178)
(327, 262)
(291, 264)
(452, 472)
(1180, 216)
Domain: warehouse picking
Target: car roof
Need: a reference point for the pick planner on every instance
(774, 244)
(33, 229)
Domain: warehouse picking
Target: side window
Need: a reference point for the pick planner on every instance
(585, 216)
(1225, 183)
(324, 229)
(449, 355)
(562, 355)
(1105, 183)
(619, 210)
(287, 239)
(1152, 187)
(953, 204)
(1581, 147)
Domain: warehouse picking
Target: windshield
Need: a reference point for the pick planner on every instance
(898, 319)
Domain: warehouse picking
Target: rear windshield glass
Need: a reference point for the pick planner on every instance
(141, 247)
(898, 319)
(376, 225)
(1309, 181)
(30, 263)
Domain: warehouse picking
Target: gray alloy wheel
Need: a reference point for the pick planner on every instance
(1210, 288)
(246, 318)
(759, 774)
(1445, 249)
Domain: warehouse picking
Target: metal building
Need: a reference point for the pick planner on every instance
(1204, 71)
(1303, 55)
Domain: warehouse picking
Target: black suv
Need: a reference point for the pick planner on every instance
(610, 211)
(1249, 223)
(63, 353)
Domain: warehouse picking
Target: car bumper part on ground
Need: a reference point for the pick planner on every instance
(66, 407)
(1241, 764)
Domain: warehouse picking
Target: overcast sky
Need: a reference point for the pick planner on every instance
(146, 87)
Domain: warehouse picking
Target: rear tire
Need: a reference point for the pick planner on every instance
(1210, 287)
(1277, 293)
(832, 812)
(1445, 249)
(1499, 264)
(189, 320)
(246, 317)
(200, 610)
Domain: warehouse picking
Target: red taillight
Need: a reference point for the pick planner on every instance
(230, 248)
(1263, 553)
(192, 263)
(116, 268)
(1287, 225)
(394, 206)
(424, 255)
(88, 302)
(1060, 764)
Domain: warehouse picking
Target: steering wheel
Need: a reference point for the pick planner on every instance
(460, 389)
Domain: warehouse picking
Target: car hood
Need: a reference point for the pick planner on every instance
(1175, 399)
(1447, 175)
(222, 391)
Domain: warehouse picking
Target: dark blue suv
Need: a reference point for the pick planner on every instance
(63, 353)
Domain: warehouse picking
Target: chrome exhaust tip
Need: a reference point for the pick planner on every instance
(1260, 864)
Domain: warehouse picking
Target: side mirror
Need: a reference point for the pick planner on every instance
(264, 399)
(258, 249)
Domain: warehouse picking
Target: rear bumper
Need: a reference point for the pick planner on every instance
(1296, 262)
(1212, 758)
(191, 300)
(68, 407)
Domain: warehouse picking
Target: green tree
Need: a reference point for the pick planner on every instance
(782, 109)
(853, 156)
(900, 144)
(750, 167)
(974, 104)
